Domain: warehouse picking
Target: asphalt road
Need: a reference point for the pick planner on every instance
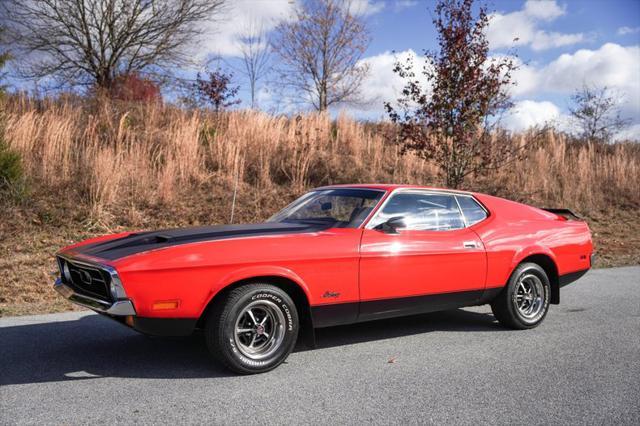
(581, 366)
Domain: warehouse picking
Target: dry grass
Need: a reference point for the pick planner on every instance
(150, 154)
(101, 167)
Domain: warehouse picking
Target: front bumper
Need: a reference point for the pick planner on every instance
(118, 308)
(124, 308)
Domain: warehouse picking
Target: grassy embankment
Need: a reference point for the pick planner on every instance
(102, 167)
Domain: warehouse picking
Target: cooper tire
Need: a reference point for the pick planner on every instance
(524, 302)
(253, 329)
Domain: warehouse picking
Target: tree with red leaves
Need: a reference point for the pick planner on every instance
(134, 88)
(450, 120)
(216, 89)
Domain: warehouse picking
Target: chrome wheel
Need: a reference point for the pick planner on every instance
(259, 329)
(530, 297)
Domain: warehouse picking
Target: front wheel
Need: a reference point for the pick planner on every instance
(253, 329)
(524, 302)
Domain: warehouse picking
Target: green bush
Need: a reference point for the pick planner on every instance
(11, 172)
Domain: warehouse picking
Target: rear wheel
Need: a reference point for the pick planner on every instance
(524, 302)
(253, 329)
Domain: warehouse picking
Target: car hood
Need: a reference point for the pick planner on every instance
(144, 241)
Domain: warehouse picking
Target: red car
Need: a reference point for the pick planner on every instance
(337, 255)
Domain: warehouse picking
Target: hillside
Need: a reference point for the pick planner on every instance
(99, 167)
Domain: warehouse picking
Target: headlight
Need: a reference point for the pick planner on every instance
(117, 291)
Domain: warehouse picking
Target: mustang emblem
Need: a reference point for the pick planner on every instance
(330, 294)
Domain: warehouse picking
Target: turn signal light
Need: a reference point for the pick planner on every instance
(166, 304)
(129, 320)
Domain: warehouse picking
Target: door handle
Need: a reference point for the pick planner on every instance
(470, 244)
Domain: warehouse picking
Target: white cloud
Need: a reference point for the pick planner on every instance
(520, 28)
(526, 77)
(543, 40)
(382, 84)
(611, 65)
(631, 133)
(223, 36)
(547, 10)
(526, 114)
(365, 7)
(503, 30)
(614, 66)
(628, 30)
(404, 4)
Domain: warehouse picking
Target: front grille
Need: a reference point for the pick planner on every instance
(86, 280)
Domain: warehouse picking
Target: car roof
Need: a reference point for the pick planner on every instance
(392, 187)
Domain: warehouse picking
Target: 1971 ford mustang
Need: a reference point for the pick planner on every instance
(337, 255)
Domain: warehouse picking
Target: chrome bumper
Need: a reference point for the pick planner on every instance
(117, 308)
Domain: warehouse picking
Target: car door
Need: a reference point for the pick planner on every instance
(434, 262)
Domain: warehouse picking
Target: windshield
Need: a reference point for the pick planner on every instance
(339, 208)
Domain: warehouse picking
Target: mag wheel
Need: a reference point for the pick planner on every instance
(259, 330)
(529, 297)
(253, 329)
(524, 302)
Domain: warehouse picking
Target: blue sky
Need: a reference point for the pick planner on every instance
(398, 28)
(562, 44)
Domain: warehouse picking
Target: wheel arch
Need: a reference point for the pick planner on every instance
(297, 291)
(546, 262)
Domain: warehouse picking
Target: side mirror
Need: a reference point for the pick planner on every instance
(392, 225)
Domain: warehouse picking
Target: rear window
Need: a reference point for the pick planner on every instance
(472, 211)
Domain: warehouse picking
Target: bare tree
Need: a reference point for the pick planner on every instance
(596, 113)
(93, 41)
(255, 58)
(320, 51)
(450, 119)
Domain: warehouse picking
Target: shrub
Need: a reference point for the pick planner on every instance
(217, 90)
(11, 172)
(134, 88)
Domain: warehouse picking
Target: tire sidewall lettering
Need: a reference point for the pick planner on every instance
(289, 327)
(278, 300)
(287, 312)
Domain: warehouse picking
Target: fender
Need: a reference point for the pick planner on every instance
(252, 272)
(523, 253)
(539, 250)
(531, 250)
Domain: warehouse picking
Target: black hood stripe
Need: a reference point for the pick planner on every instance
(145, 241)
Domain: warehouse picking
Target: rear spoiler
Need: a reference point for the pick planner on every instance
(565, 213)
